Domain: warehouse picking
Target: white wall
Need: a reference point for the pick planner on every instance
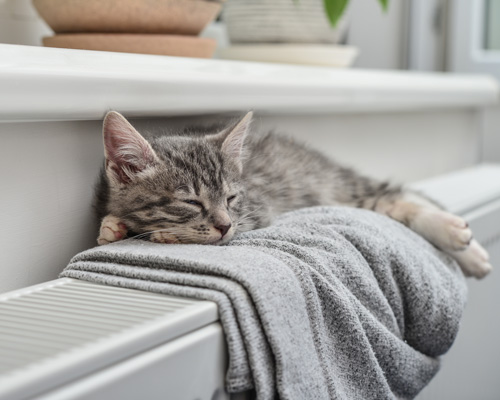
(47, 173)
(491, 138)
(20, 23)
(381, 37)
(401, 146)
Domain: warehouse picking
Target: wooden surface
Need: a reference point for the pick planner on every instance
(167, 45)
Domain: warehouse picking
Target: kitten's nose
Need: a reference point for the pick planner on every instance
(223, 228)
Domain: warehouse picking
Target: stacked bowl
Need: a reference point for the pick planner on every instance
(165, 27)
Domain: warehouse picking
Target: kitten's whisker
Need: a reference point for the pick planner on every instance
(178, 233)
(251, 212)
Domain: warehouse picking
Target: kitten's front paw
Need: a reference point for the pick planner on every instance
(473, 260)
(112, 230)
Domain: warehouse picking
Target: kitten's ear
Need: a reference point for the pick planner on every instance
(127, 152)
(233, 140)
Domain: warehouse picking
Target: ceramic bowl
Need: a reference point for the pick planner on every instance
(168, 45)
(281, 21)
(183, 17)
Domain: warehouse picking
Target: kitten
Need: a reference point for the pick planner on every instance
(204, 189)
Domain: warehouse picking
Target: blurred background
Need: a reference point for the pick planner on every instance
(429, 35)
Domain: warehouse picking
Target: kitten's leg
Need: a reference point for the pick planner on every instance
(112, 230)
(446, 231)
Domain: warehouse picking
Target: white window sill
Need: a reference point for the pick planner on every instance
(57, 84)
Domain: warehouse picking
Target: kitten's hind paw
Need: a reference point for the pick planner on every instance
(447, 231)
(474, 260)
(112, 230)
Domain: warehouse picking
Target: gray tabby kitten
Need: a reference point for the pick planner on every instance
(204, 189)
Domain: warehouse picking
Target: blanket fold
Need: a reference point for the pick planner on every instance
(326, 303)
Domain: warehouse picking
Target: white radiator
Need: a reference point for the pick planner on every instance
(470, 369)
(68, 339)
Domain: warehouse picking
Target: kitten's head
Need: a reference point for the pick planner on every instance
(180, 189)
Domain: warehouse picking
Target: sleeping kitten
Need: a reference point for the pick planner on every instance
(204, 189)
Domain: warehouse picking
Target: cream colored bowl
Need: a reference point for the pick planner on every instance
(168, 45)
(184, 17)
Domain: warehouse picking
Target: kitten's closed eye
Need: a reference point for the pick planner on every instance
(231, 198)
(194, 203)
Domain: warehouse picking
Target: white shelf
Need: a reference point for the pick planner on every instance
(58, 84)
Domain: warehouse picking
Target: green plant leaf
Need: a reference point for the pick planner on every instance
(334, 10)
(384, 4)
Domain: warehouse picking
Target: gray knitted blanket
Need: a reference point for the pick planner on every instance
(327, 303)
